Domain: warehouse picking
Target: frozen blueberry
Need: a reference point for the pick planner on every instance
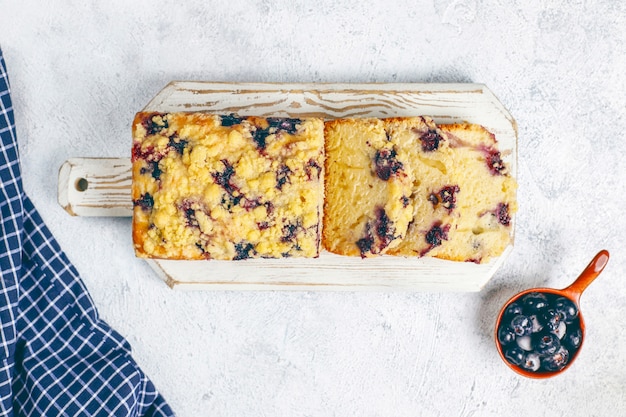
(561, 330)
(573, 339)
(259, 135)
(386, 163)
(566, 309)
(534, 302)
(546, 343)
(521, 325)
(367, 244)
(555, 361)
(138, 153)
(514, 355)
(550, 319)
(156, 171)
(505, 335)
(537, 325)
(512, 310)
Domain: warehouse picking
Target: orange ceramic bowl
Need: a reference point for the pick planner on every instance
(573, 293)
(539, 374)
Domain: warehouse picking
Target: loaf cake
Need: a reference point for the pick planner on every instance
(367, 206)
(225, 187)
(456, 193)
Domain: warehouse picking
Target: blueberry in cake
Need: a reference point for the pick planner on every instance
(225, 187)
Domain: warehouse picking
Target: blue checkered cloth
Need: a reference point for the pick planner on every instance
(57, 357)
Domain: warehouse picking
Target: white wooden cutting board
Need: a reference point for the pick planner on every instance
(101, 186)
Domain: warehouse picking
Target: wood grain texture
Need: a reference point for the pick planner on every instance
(96, 187)
(109, 180)
(328, 272)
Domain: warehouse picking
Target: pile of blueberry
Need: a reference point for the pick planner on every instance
(540, 332)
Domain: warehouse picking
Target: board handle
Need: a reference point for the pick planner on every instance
(96, 187)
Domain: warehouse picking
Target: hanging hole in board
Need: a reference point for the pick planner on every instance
(81, 184)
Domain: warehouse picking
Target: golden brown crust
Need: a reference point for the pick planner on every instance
(468, 134)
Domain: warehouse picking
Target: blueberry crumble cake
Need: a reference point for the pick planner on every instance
(208, 186)
(225, 187)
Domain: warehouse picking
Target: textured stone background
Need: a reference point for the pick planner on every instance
(80, 70)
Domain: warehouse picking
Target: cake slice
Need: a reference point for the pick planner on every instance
(207, 186)
(463, 195)
(433, 192)
(367, 207)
